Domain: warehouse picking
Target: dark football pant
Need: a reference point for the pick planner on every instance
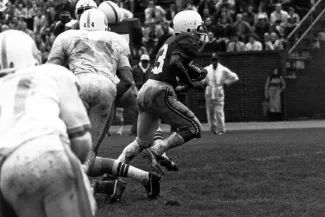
(157, 100)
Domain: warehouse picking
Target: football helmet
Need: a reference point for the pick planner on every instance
(112, 11)
(190, 21)
(93, 20)
(18, 50)
(83, 5)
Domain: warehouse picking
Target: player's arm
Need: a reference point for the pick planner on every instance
(74, 115)
(126, 80)
(57, 54)
(124, 70)
(177, 66)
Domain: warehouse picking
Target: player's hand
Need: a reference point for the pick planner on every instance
(198, 85)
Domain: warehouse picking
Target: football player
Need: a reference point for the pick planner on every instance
(157, 98)
(95, 56)
(44, 134)
(81, 6)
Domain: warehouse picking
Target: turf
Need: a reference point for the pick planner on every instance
(241, 173)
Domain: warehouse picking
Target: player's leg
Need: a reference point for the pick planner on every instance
(119, 119)
(175, 113)
(164, 160)
(220, 117)
(118, 169)
(39, 180)
(147, 125)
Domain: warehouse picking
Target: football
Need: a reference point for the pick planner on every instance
(196, 72)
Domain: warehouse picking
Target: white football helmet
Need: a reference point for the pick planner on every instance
(18, 50)
(190, 21)
(93, 20)
(112, 11)
(83, 5)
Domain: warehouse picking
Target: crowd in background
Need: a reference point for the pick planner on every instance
(233, 25)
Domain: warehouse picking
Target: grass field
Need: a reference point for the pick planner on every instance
(242, 173)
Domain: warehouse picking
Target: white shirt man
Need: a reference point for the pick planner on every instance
(279, 14)
(218, 76)
(253, 45)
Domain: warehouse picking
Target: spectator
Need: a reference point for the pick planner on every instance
(228, 5)
(260, 13)
(235, 45)
(276, 43)
(267, 44)
(26, 30)
(151, 35)
(278, 29)
(171, 12)
(52, 16)
(242, 28)
(39, 21)
(209, 24)
(262, 26)
(212, 45)
(190, 6)
(249, 16)
(65, 5)
(224, 30)
(217, 16)
(279, 15)
(210, 4)
(218, 76)
(206, 13)
(9, 12)
(141, 71)
(153, 13)
(292, 21)
(274, 88)
(253, 44)
(21, 11)
(167, 32)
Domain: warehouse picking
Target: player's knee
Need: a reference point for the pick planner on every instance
(194, 130)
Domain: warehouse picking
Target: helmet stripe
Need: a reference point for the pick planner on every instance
(4, 57)
(115, 12)
(88, 19)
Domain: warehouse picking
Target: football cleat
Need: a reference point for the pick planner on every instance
(153, 186)
(152, 158)
(119, 188)
(167, 163)
(114, 194)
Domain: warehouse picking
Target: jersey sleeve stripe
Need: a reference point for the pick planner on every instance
(78, 131)
(115, 12)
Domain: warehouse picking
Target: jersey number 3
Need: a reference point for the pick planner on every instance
(160, 59)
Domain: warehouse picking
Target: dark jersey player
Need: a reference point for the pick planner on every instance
(157, 99)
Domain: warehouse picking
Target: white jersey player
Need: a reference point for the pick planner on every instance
(44, 134)
(95, 55)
